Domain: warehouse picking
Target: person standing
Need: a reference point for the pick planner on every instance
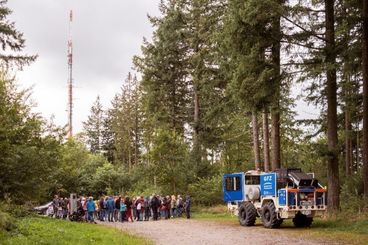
(155, 204)
(173, 206)
(128, 213)
(102, 209)
(110, 209)
(187, 206)
(91, 208)
(147, 212)
(117, 209)
(123, 208)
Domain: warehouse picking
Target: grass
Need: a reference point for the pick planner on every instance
(40, 230)
(341, 229)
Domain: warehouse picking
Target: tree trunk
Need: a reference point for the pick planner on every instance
(348, 141)
(196, 152)
(275, 114)
(266, 144)
(332, 140)
(365, 96)
(275, 135)
(257, 159)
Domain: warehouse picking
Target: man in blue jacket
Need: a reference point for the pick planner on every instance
(91, 207)
(110, 209)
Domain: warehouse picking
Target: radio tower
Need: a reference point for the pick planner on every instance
(70, 79)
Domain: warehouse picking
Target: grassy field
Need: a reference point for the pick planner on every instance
(342, 230)
(39, 230)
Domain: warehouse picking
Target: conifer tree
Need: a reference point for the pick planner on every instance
(93, 127)
(12, 41)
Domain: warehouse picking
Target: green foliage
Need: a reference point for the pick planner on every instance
(207, 191)
(168, 157)
(7, 223)
(29, 153)
(352, 201)
(93, 127)
(11, 41)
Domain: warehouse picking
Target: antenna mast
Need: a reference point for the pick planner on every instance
(70, 79)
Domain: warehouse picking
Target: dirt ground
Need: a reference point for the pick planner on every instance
(182, 231)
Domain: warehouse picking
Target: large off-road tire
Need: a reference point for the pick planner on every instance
(269, 216)
(301, 220)
(247, 214)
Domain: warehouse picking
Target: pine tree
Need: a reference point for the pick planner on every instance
(124, 127)
(164, 70)
(12, 41)
(93, 127)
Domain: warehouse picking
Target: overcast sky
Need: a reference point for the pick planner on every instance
(106, 35)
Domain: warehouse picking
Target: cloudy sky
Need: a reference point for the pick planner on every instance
(106, 35)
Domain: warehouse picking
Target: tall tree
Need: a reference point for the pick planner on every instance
(275, 108)
(125, 124)
(164, 70)
(331, 93)
(365, 96)
(93, 127)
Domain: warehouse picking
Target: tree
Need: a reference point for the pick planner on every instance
(365, 96)
(164, 70)
(12, 41)
(331, 92)
(169, 155)
(125, 123)
(252, 41)
(93, 127)
(29, 152)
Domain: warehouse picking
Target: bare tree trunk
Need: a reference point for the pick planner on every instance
(365, 96)
(275, 136)
(348, 142)
(332, 140)
(266, 143)
(257, 159)
(275, 113)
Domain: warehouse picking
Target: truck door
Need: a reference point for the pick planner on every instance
(233, 187)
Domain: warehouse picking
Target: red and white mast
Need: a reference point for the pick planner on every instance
(70, 78)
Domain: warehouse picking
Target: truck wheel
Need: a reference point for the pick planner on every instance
(247, 214)
(300, 220)
(269, 216)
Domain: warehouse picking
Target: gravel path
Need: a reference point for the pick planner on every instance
(182, 231)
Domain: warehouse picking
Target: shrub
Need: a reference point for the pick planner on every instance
(7, 222)
(207, 191)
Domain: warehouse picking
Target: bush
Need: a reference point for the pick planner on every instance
(207, 191)
(7, 222)
(351, 198)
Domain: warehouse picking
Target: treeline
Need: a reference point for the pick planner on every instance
(215, 90)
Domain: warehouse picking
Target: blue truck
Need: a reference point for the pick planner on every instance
(275, 196)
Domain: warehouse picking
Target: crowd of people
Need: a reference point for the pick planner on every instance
(119, 209)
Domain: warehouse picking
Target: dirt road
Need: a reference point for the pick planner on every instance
(182, 231)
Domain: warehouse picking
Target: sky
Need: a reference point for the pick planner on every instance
(106, 35)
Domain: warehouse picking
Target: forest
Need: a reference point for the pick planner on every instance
(213, 92)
